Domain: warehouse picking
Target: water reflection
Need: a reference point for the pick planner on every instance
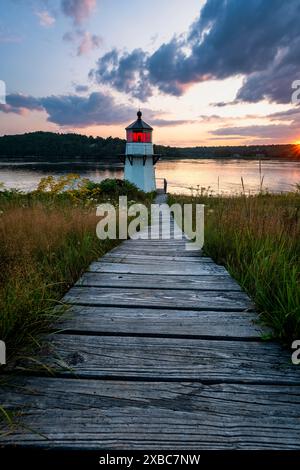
(223, 176)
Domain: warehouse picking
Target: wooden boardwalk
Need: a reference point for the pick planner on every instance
(160, 349)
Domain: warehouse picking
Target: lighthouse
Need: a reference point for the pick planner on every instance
(139, 156)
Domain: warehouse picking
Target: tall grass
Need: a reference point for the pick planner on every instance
(257, 238)
(42, 252)
(47, 239)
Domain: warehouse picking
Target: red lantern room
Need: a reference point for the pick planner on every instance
(139, 131)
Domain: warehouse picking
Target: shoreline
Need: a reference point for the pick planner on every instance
(114, 159)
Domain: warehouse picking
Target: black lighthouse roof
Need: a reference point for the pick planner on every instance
(139, 124)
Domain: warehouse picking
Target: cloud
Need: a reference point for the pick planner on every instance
(222, 104)
(78, 111)
(210, 118)
(78, 10)
(287, 127)
(72, 110)
(88, 43)
(45, 18)
(257, 39)
(292, 114)
(81, 88)
(281, 126)
(85, 41)
(274, 83)
(265, 131)
(19, 104)
(224, 138)
(125, 73)
(81, 111)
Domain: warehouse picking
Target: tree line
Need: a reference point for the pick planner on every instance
(52, 145)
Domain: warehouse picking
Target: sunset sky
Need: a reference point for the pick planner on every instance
(210, 72)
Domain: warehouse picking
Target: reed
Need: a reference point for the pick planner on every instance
(257, 239)
(47, 240)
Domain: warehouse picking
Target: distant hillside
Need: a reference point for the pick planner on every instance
(52, 146)
(252, 151)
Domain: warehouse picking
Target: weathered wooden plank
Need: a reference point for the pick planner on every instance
(155, 252)
(139, 357)
(146, 238)
(155, 244)
(143, 260)
(156, 281)
(155, 247)
(127, 415)
(175, 268)
(179, 243)
(160, 252)
(90, 414)
(163, 237)
(152, 258)
(161, 248)
(143, 321)
(155, 298)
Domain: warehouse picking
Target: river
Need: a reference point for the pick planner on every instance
(215, 175)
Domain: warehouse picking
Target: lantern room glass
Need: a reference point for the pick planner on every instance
(139, 136)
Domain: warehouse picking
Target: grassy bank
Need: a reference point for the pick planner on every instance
(47, 239)
(257, 239)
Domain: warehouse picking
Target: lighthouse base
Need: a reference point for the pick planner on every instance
(140, 171)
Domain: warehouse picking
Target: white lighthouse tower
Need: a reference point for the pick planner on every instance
(139, 156)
